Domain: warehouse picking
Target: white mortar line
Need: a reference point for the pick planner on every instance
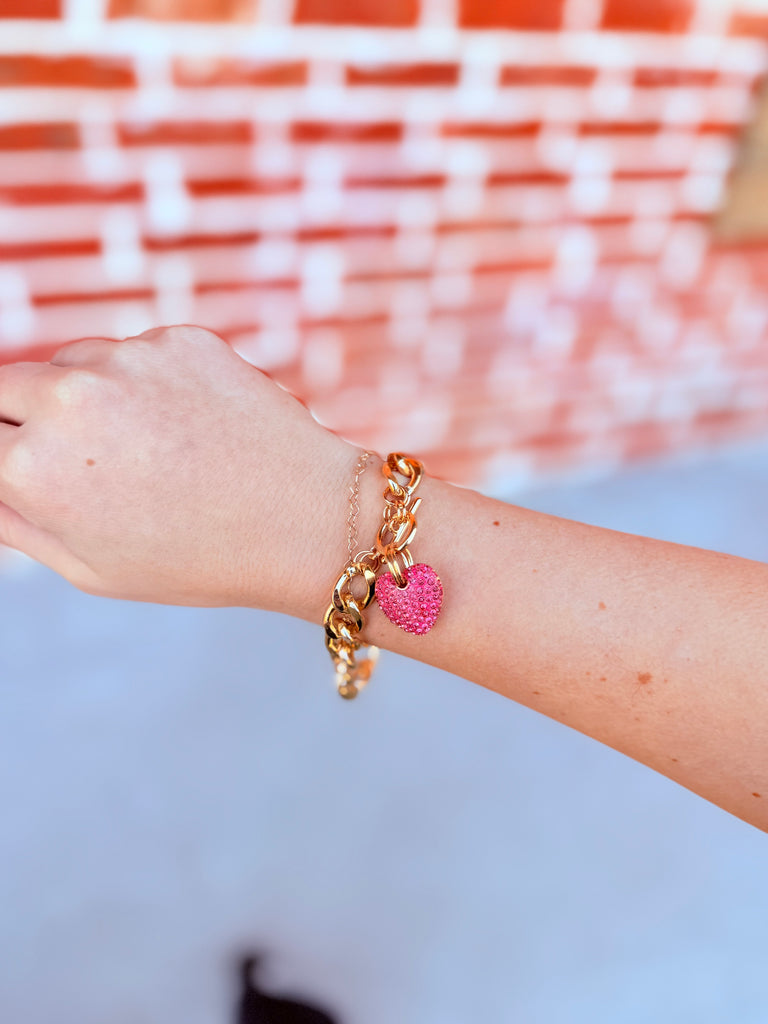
(85, 17)
(527, 49)
(508, 106)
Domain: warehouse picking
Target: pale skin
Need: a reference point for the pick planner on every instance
(165, 468)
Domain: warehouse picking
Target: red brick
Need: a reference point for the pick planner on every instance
(647, 15)
(282, 284)
(660, 174)
(401, 181)
(719, 128)
(716, 419)
(512, 266)
(45, 194)
(619, 128)
(492, 131)
(675, 77)
(188, 72)
(559, 440)
(39, 136)
(68, 298)
(576, 76)
(321, 131)
(369, 319)
(165, 243)
(743, 24)
(83, 72)
(519, 14)
(358, 12)
(164, 133)
(38, 250)
(184, 10)
(527, 178)
(242, 186)
(645, 440)
(390, 274)
(31, 9)
(325, 234)
(405, 74)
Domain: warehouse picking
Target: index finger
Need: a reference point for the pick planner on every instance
(22, 389)
(83, 351)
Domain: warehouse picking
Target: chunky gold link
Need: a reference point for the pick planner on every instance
(400, 525)
(391, 555)
(344, 624)
(343, 620)
(342, 591)
(401, 464)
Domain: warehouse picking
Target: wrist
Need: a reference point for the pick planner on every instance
(409, 594)
(318, 550)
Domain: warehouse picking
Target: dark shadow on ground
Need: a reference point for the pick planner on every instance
(257, 1007)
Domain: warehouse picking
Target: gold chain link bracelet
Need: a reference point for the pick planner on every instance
(409, 595)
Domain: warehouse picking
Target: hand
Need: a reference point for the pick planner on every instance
(165, 468)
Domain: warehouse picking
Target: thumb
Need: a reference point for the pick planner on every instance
(17, 532)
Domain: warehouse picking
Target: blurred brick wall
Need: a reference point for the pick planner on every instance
(474, 230)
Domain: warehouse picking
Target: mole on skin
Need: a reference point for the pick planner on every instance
(90, 462)
(755, 794)
(644, 677)
(495, 522)
(601, 606)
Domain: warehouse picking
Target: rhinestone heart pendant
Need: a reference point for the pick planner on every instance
(415, 606)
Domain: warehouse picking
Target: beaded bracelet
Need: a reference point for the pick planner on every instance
(409, 595)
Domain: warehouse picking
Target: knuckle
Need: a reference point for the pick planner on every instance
(17, 466)
(190, 334)
(131, 351)
(76, 387)
(174, 342)
(65, 351)
(81, 351)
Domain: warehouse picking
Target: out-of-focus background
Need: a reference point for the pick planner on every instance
(524, 240)
(477, 229)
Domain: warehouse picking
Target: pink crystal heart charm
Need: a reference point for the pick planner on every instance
(413, 607)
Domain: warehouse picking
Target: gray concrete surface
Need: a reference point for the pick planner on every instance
(177, 785)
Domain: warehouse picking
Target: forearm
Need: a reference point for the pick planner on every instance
(656, 649)
(164, 468)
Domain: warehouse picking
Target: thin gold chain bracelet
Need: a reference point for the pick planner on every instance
(410, 595)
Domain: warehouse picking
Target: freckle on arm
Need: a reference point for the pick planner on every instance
(90, 462)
